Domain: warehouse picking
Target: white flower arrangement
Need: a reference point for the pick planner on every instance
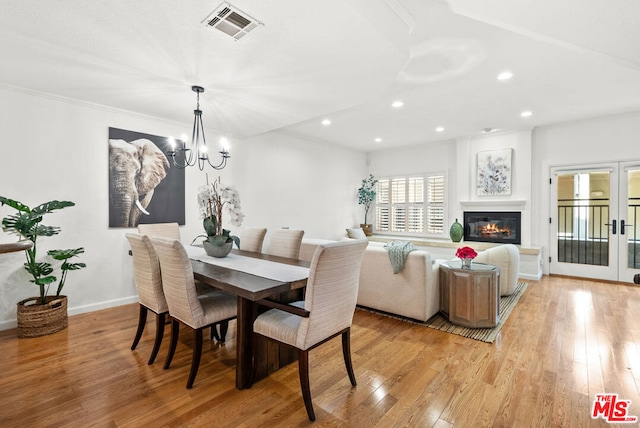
(211, 200)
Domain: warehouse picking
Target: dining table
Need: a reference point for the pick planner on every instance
(253, 277)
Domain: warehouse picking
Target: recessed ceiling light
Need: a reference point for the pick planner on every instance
(326, 122)
(397, 104)
(526, 113)
(378, 140)
(505, 75)
(440, 129)
(488, 130)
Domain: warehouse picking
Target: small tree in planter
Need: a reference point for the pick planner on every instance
(366, 196)
(48, 313)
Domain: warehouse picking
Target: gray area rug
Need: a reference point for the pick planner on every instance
(439, 322)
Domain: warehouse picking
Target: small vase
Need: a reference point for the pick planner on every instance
(219, 251)
(456, 231)
(367, 229)
(466, 262)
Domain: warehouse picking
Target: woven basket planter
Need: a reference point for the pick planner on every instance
(40, 320)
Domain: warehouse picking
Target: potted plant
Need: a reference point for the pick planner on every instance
(211, 199)
(366, 196)
(44, 314)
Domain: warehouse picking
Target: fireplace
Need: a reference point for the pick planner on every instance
(492, 226)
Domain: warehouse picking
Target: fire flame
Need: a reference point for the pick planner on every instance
(493, 229)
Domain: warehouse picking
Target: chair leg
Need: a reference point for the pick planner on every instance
(213, 334)
(195, 359)
(346, 353)
(175, 330)
(224, 327)
(160, 321)
(142, 320)
(303, 371)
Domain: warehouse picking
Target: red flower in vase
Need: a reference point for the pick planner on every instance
(466, 253)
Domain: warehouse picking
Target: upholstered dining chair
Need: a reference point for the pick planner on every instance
(326, 312)
(251, 239)
(285, 243)
(185, 304)
(148, 283)
(166, 230)
(172, 231)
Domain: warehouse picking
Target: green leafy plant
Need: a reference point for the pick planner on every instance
(367, 194)
(27, 224)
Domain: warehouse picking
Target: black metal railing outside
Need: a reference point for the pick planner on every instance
(583, 232)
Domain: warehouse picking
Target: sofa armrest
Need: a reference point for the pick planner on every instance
(507, 258)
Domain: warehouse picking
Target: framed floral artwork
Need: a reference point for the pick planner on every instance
(494, 172)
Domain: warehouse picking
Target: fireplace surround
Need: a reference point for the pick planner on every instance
(501, 227)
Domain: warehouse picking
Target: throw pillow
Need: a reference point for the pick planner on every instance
(356, 234)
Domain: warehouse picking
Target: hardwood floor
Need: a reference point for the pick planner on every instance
(565, 341)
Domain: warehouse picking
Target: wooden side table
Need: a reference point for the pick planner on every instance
(470, 297)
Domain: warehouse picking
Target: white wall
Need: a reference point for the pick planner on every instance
(286, 181)
(458, 159)
(423, 158)
(57, 149)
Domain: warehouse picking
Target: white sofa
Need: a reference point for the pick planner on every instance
(412, 293)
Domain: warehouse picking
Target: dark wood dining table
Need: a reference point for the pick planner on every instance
(249, 289)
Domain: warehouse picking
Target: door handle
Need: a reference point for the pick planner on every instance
(613, 226)
(622, 225)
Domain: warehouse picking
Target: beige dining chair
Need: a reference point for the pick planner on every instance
(172, 231)
(166, 230)
(251, 239)
(326, 312)
(185, 304)
(285, 243)
(148, 283)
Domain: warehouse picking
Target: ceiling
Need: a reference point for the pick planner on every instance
(346, 61)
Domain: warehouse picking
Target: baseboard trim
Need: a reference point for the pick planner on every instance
(537, 277)
(76, 310)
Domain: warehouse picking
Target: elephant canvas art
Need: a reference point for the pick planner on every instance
(141, 186)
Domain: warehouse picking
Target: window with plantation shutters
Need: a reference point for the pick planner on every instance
(435, 204)
(413, 205)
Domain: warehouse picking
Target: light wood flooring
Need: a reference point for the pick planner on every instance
(565, 341)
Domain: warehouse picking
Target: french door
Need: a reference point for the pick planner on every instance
(595, 210)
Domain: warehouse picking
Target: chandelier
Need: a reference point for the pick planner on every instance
(184, 156)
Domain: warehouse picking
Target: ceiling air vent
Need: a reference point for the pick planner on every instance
(231, 21)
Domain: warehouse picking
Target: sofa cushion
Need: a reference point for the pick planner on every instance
(356, 234)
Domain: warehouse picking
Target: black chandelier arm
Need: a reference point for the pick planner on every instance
(223, 162)
(181, 154)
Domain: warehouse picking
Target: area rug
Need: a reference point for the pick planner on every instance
(439, 322)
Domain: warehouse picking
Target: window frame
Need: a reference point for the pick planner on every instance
(443, 233)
